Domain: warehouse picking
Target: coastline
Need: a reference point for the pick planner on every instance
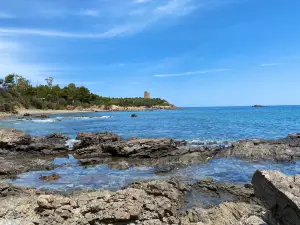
(112, 108)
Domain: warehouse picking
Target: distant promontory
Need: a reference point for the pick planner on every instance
(17, 93)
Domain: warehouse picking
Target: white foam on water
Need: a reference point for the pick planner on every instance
(70, 142)
(45, 120)
(208, 142)
(92, 117)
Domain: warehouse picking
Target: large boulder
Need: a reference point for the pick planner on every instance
(280, 194)
(144, 148)
(89, 139)
(293, 140)
(51, 144)
(10, 138)
(15, 142)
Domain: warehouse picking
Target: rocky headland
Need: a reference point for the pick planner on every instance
(272, 198)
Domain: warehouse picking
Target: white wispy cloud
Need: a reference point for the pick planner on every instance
(191, 73)
(124, 19)
(53, 33)
(268, 64)
(179, 7)
(15, 58)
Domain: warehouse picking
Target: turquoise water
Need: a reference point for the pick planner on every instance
(193, 124)
(75, 177)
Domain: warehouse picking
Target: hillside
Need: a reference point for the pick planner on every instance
(20, 93)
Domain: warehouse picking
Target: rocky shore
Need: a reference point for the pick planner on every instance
(269, 200)
(272, 198)
(72, 109)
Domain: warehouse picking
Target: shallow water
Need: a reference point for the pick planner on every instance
(74, 177)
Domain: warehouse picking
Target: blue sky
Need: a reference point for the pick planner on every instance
(191, 52)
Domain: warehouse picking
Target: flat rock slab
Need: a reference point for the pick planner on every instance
(280, 194)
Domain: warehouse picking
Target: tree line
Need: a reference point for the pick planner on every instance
(19, 92)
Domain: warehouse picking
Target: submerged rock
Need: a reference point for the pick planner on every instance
(120, 165)
(280, 194)
(52, 177)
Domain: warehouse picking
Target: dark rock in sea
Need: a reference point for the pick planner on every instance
(43, 116)
(89, 139)
(52, 177)
(165, 168)
(133, 115)
(293, 140)
(104, 159)
(120, 165)
(257, 106)
(180, 143)
(26, 114)
(280, 194)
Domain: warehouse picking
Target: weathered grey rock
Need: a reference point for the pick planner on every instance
(265, 150)
(7, 189)
(254, 220)
(120, 165)
(11, 166)
(91, 139)
(228, 213)
(293, 140)
(280, 194)
(10, 138)
(144, 148)
(153, 202)
(14, 142)
(238, 191)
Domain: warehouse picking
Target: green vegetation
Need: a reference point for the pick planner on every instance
(23, 94)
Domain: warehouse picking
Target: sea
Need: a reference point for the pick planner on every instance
(198, 126)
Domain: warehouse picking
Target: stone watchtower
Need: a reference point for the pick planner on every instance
(147, 95)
